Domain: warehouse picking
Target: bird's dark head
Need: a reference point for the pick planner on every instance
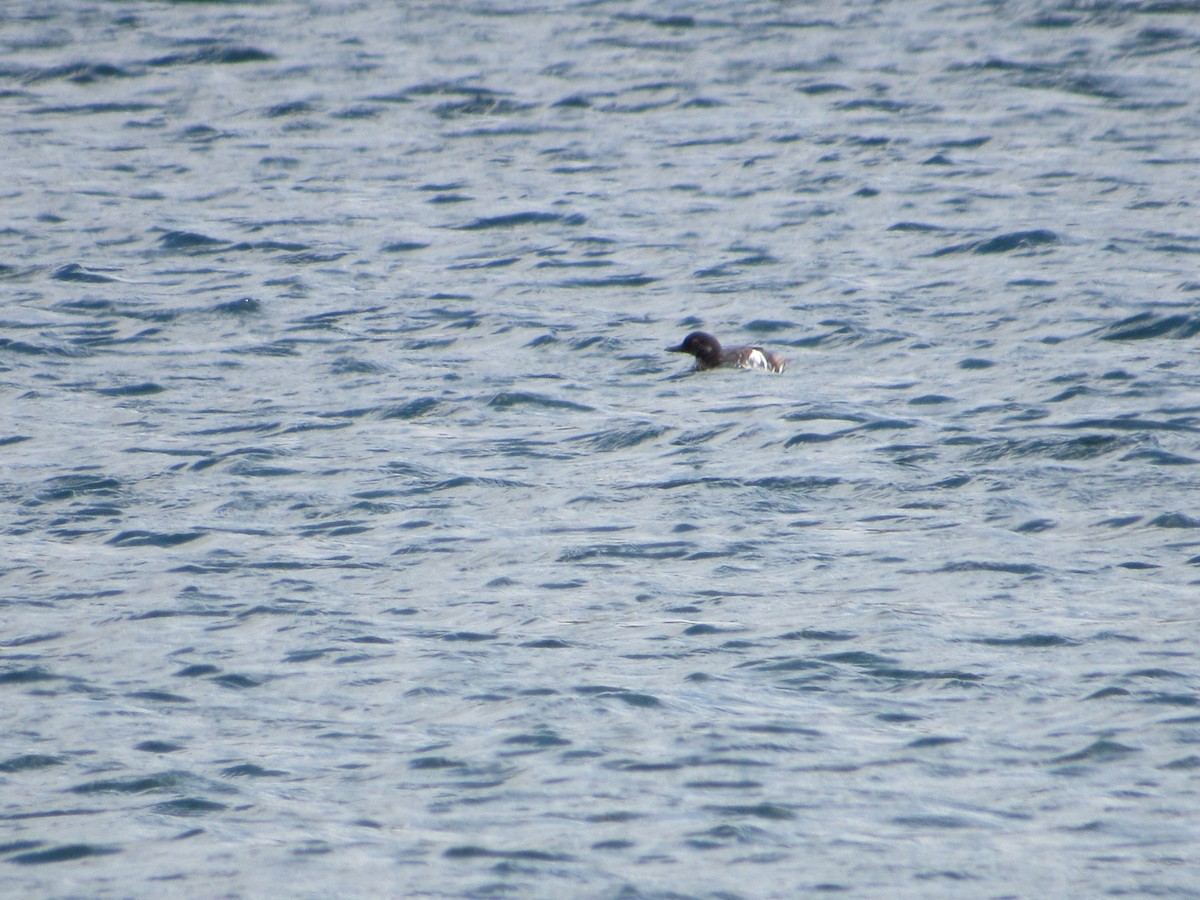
(703, 346)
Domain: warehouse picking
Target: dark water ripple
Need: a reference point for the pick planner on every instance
(362, 538)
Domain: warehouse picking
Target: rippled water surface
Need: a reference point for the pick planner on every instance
(361, 539)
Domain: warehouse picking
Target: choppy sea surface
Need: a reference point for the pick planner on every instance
(359, 538)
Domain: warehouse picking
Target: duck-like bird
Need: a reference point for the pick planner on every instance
(711, 355)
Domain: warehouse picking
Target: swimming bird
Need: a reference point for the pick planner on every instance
(711, 355)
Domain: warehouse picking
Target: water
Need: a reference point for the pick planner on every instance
(361, 539)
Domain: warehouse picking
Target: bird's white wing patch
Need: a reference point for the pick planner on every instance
(756, 359)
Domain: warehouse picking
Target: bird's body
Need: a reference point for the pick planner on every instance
(711, 355)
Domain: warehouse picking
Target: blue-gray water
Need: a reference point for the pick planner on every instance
(360, 539)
